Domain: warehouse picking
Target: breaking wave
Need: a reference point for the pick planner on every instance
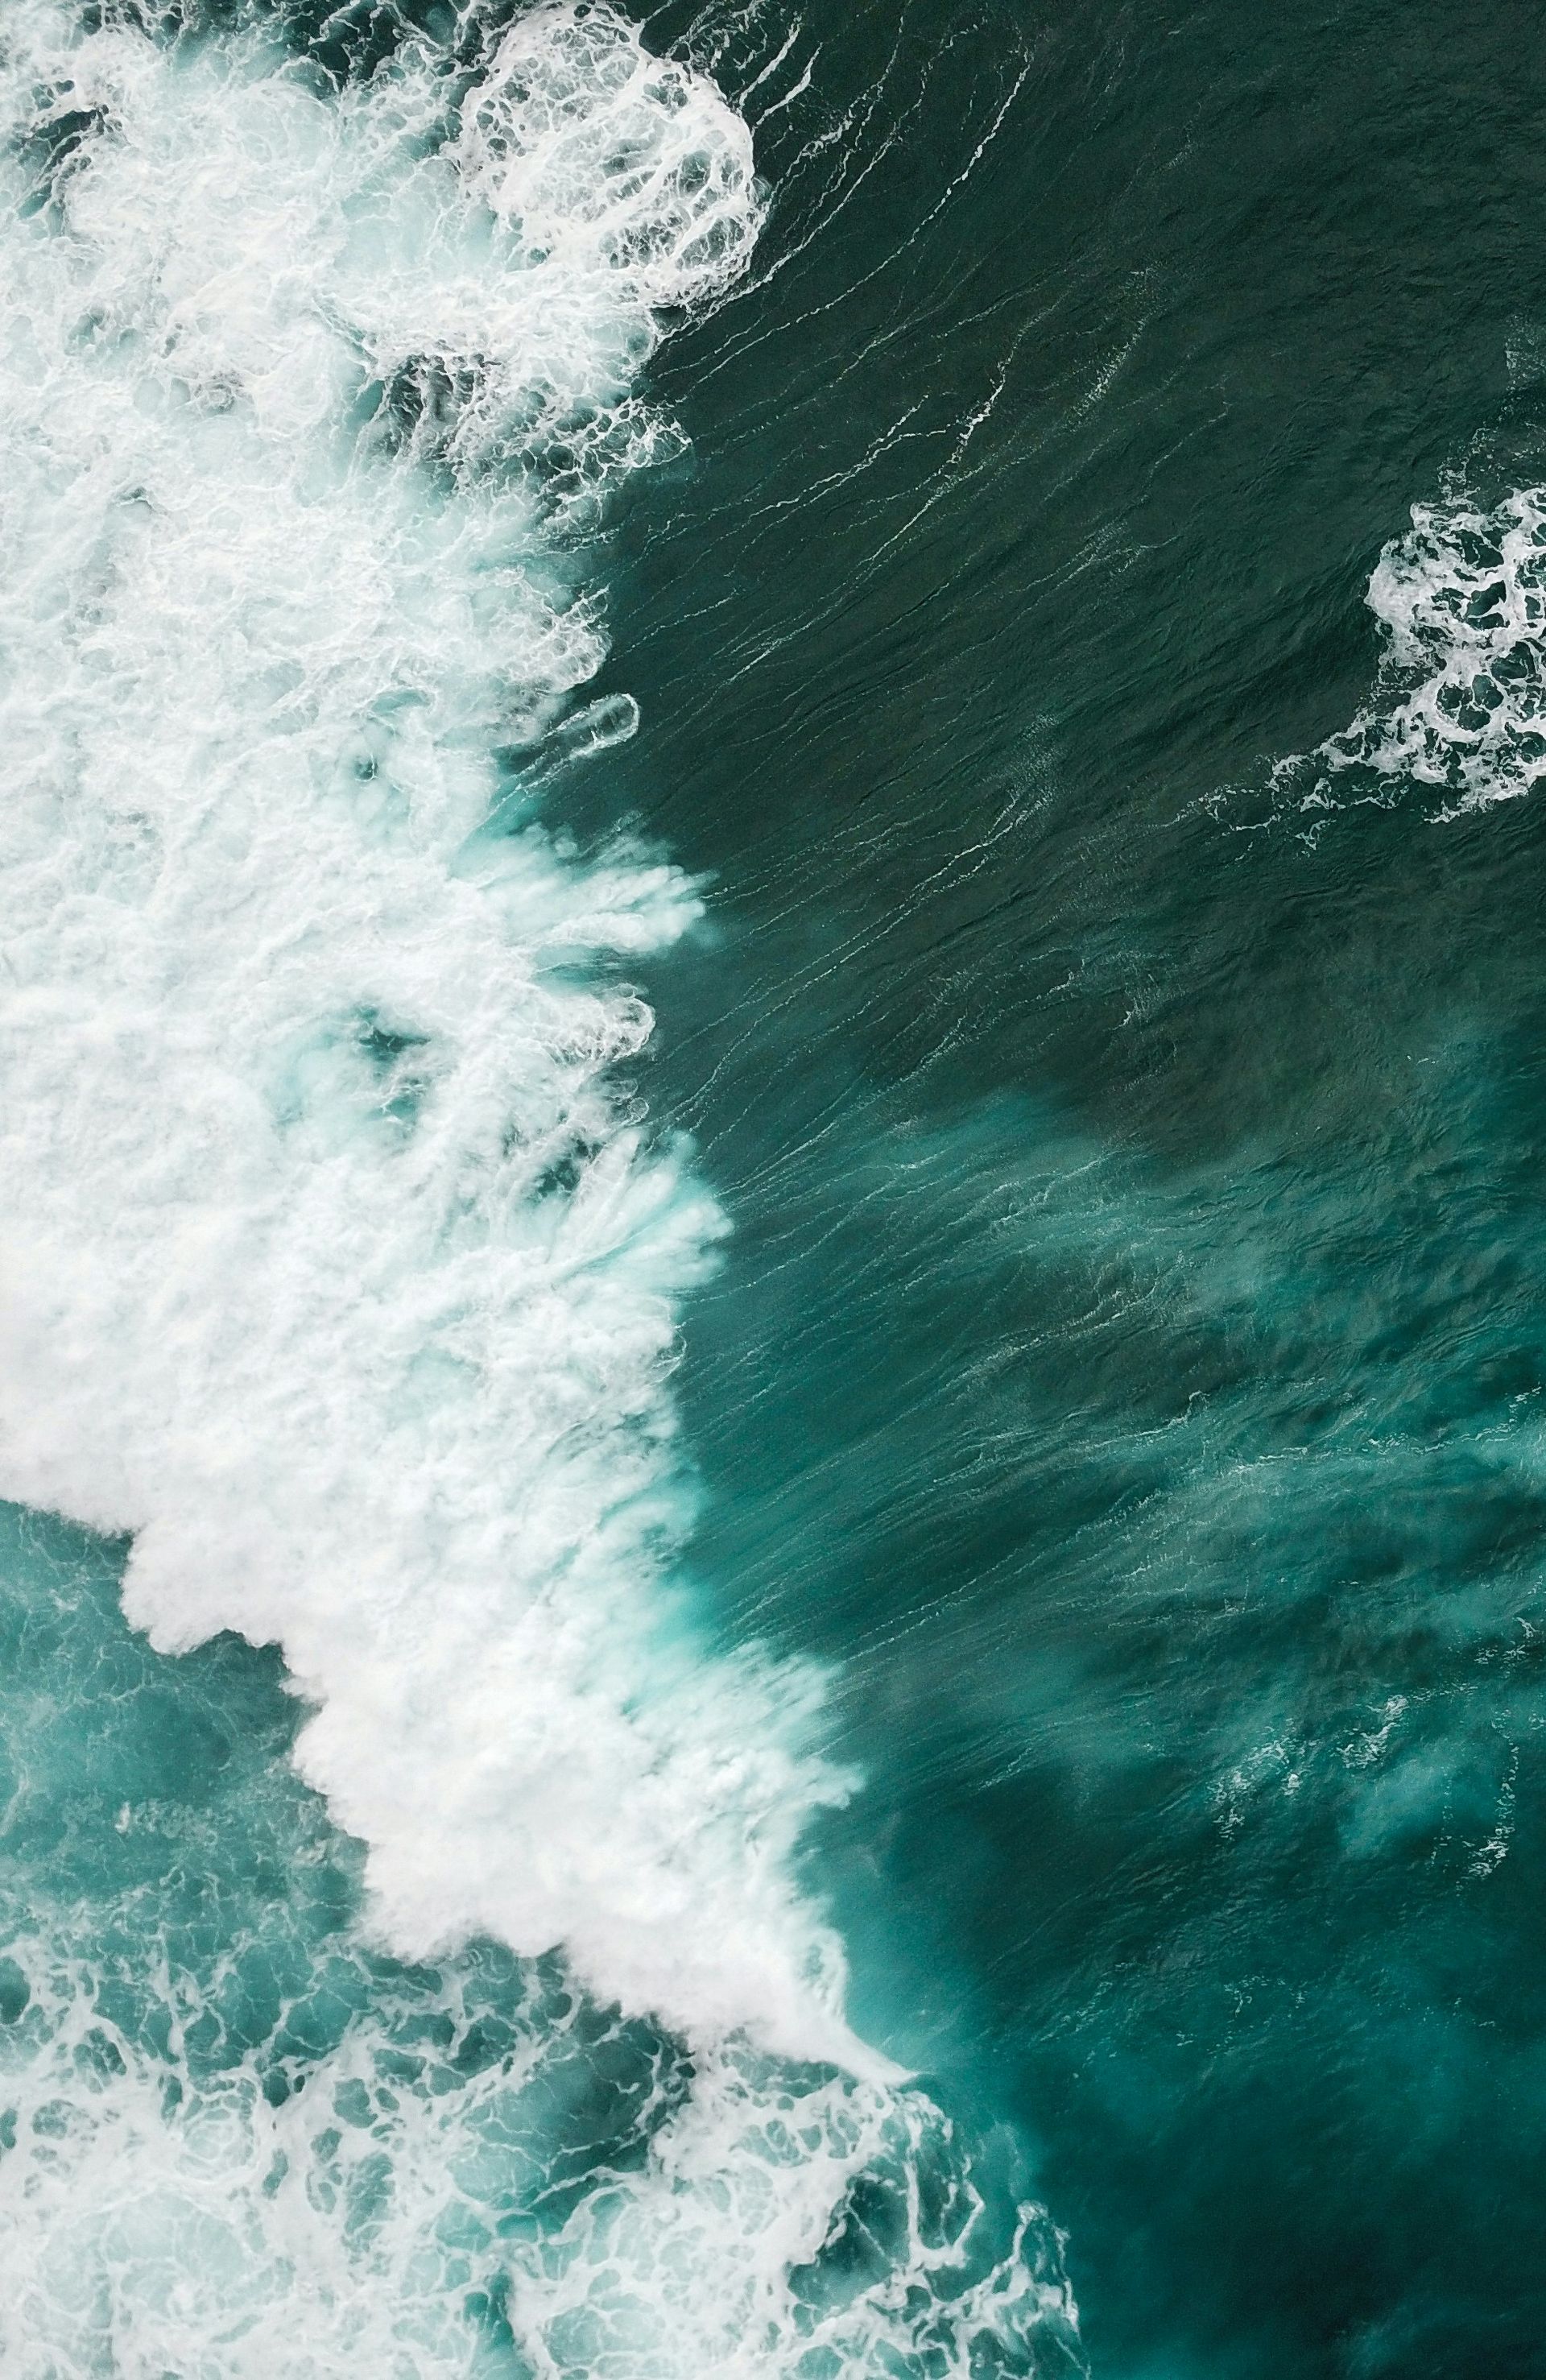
(343, 1267)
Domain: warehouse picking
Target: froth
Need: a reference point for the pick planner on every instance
(412, 2213)
(339, 1264)
(1459, 705)
(601, 152)
(341, 1268)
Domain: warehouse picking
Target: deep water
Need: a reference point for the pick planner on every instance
(1125, 1368)
(1128, 1363)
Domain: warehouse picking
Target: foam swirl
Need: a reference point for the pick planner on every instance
(1459, 704)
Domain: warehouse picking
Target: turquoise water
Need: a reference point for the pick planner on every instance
(1140, 1260)
(1104, 1010)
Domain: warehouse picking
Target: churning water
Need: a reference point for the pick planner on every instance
(771, 1266)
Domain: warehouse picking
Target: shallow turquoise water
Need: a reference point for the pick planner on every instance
(1124, 1369)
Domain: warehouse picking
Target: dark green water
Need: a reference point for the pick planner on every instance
(1126, 1368)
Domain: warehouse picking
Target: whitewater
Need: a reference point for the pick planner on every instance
(342, 1267)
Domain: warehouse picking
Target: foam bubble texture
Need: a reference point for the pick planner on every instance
(339, 1266)
(1459, 704)
(238, 2141)
(410, 2215)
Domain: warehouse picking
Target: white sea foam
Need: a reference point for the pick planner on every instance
(337, 1263)
(337, 1267)
(402, 2217)
(1459, 705)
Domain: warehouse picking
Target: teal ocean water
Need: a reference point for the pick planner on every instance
(771, 1256)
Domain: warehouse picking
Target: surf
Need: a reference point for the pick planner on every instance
(343, 1266)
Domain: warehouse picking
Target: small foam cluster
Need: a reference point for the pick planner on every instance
(1459, 704)
(602, 154)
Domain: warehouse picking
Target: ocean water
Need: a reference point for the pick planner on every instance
(771, 1251)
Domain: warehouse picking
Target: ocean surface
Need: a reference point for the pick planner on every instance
(772, 1233)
